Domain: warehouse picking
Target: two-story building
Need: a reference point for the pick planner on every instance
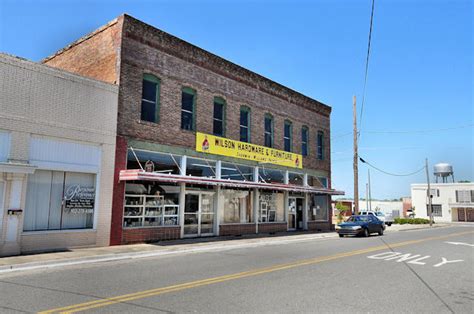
(204, 146)
(450, 201)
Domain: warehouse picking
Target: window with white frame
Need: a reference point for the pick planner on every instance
(464, 196)
(437, 210)
(58, 200)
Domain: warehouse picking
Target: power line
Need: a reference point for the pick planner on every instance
(392, 174)
(366, 68)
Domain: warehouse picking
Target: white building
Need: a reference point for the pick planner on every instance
(57, 146)
(450, 201)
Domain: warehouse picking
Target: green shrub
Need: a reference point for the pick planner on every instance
(415, 221)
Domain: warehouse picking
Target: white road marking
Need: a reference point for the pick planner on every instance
(445, 261)
(460, 243)
(417, 261)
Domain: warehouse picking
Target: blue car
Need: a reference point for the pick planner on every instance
(362, 225)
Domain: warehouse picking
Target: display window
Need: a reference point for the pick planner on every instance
(153, 162)
(318, 182)
(271, 207)
(57, 200)
(200, 167)
(150, 204)
(233, 171)
(318, 208)
(296, 178)
(236, 206)
(271, 175)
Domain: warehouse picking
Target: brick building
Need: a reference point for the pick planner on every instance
(204, 146)
(57, 146)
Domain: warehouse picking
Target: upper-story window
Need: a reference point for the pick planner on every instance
(268, 133)
(304, 141)
(464, 196)
(219, 117)
(150, 98)
(245, 124)
(320, 141)
(287, 135)
(188, 104)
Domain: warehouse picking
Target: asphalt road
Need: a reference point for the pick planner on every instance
(411, 271)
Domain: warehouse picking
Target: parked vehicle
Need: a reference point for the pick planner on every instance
(360, 225)
(387, 219)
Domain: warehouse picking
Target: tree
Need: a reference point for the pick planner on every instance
(341, 210)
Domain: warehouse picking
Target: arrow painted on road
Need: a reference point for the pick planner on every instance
(460, 243)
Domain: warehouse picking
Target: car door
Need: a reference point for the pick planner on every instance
(373, 225)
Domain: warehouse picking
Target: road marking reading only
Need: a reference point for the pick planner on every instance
(409, 258)
(460, 243)
(204, 282)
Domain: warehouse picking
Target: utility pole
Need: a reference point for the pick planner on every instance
(370, 191)
(430, 209)
(356, 159)
(367, 197)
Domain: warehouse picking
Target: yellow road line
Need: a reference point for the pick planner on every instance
(204, 282)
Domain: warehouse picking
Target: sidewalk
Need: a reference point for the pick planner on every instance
(79, 256)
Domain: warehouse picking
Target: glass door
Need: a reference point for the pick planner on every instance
(191, 215)
(291, 213)
(199, 214)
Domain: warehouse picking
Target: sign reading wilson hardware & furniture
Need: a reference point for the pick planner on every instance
(216, 145)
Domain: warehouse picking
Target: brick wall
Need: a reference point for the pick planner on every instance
(95, 55)
(142, 235)
(272, 227)
(236, 229)
(319, 226)
(118, 192)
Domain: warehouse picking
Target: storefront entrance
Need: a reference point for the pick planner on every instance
(199, 214)
(295, 213)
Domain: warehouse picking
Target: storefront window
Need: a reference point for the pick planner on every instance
(57, 200)
(200, 167)
(236, 172)
(295, 178)
(271, 175)
(149, 204)
(154, 162)
(318, 208)
(236, 206)
(271, 207)
(318, 182)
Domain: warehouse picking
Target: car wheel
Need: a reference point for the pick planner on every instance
(341, 236)
(389, 224)
(366, 232)
(381, 231)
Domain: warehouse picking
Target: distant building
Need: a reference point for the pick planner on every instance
(450, 201)
(394, 208)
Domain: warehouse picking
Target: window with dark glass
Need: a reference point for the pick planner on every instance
(268, 131)
(245, 124)
(219, 117)
(187, 109)
(287, 136)
(304, 141)
(150, 98)
(320, 145)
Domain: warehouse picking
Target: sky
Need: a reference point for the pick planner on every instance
(419, 92)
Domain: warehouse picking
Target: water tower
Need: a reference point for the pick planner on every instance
(443, 171)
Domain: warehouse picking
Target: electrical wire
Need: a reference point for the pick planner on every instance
(392, 174)
(366, 69)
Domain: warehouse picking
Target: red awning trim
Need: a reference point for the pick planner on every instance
(132, 175)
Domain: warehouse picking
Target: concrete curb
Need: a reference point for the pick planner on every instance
(422, 228)
(165, 252)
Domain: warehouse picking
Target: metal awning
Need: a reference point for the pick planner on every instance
(136, 174)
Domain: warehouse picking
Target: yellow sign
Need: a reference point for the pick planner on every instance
(216, 145)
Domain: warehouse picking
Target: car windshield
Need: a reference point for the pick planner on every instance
(358, 218)
(379, 214)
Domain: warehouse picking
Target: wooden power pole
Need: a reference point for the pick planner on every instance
(356, 160)
(430, 208)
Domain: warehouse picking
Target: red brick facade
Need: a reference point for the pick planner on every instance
(319, 226)
(124, 50)
(142, 235)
